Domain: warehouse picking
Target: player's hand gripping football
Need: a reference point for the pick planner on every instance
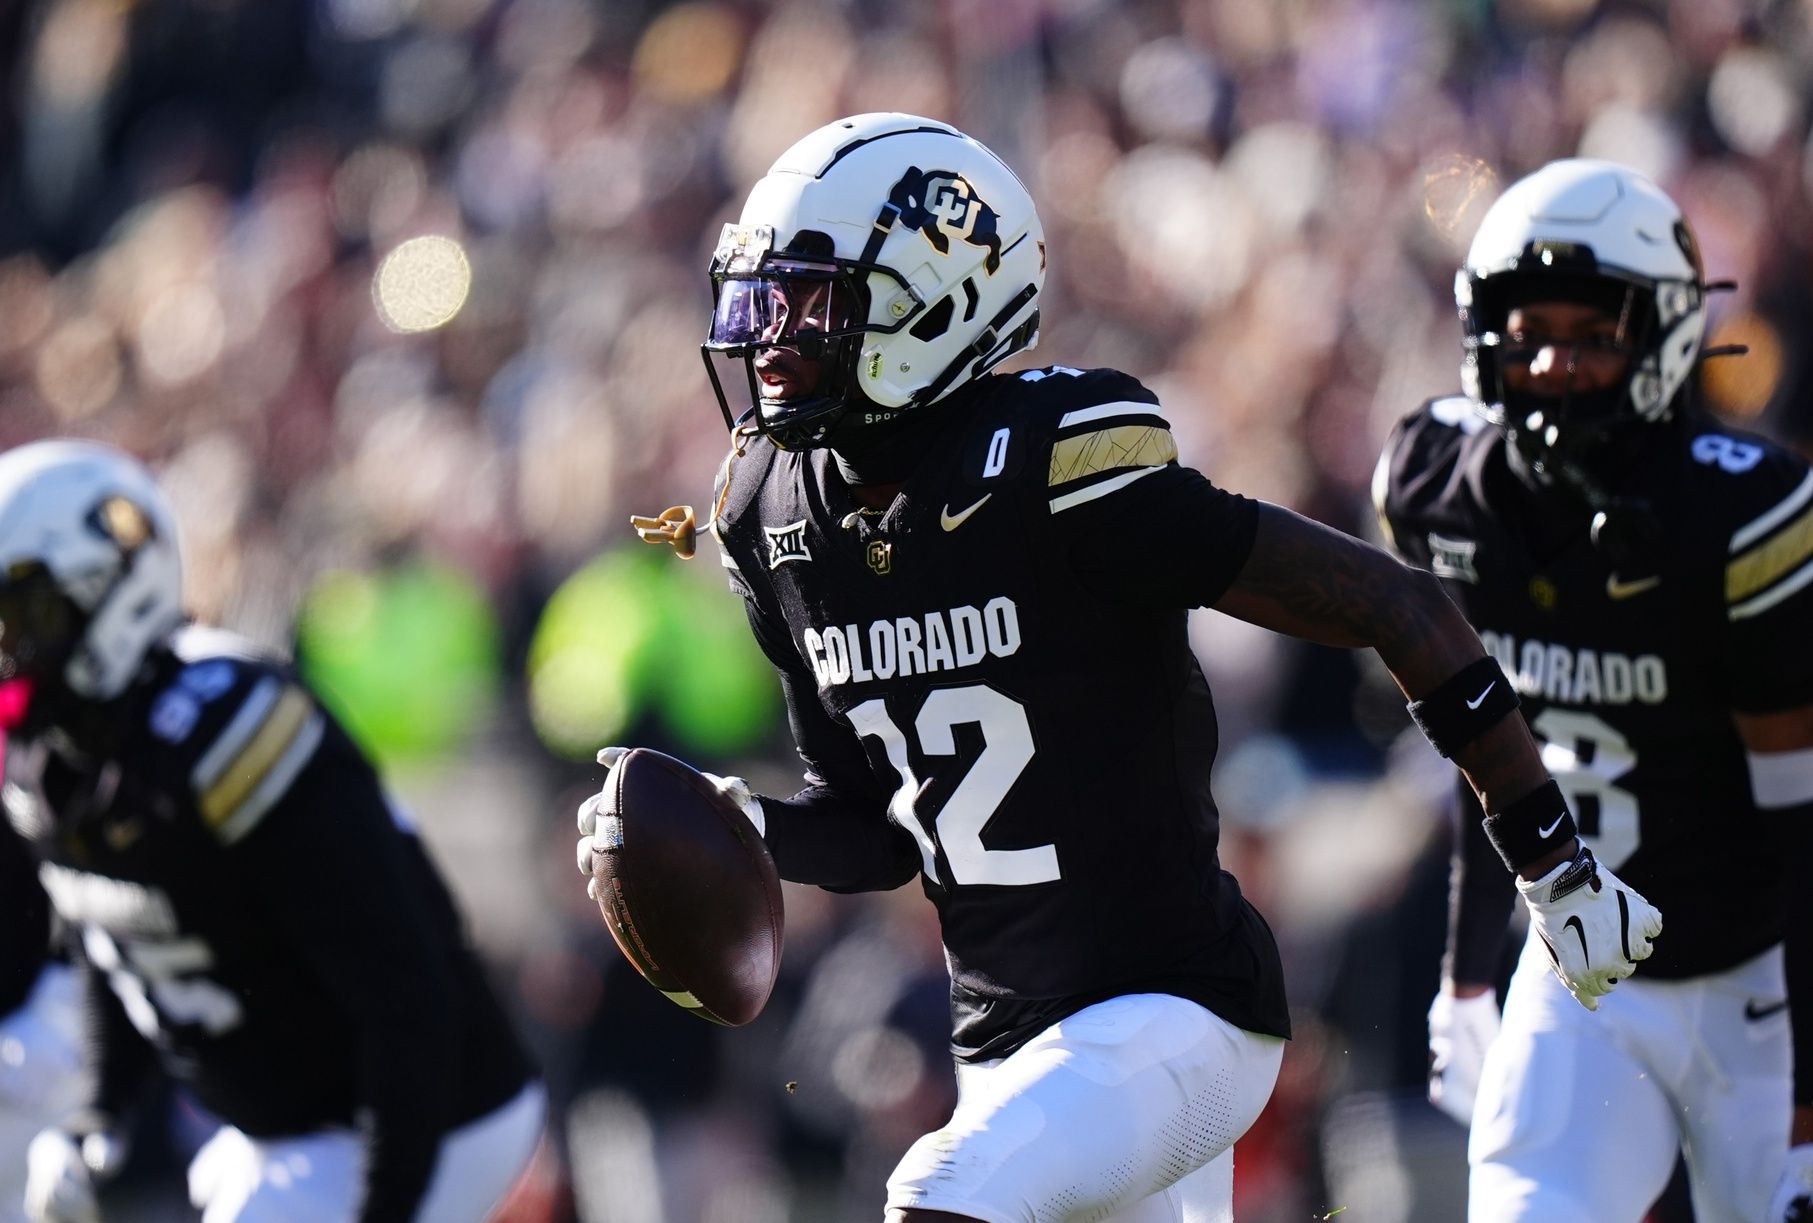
(734, 788)
(1596, 927)
(1460, 1032)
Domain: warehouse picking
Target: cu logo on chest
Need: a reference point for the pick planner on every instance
(880, 555)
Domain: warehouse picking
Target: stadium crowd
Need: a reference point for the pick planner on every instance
(403, 298)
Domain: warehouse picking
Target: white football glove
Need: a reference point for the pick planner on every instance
(1595, 926)
(1460, 1032)
(1793, 1201)
(734, 788)
(60, 1174)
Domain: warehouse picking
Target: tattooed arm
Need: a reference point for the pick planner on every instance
(1307, 580)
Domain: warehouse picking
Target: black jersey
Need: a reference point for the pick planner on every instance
(267, 923)
(995, 671)
(1629, 678)
(24, 922)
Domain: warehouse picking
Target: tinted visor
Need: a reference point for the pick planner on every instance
(783, 302)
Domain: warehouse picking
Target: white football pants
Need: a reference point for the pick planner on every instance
(317, 1178)
(1125, 1111)
(1580, 1113)
(41, 1075)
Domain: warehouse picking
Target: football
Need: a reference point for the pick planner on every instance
(687, 888)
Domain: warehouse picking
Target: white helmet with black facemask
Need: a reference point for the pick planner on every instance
(1601, 235)
(884, 261)
(90, 576)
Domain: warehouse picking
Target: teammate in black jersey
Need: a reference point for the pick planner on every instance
(974, 588)
(272, 933)
(1645, 574)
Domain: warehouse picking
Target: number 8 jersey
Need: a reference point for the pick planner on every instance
(1629, 677)
(991, 687)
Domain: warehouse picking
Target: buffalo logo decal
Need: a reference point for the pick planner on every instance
(940, 205)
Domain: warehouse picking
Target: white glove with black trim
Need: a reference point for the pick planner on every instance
(1596, 927)
(1460, 1032)
(1793, 1200)
(734, 788)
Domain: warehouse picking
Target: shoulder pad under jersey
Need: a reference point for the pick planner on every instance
(1418, 459)
(1079, 435)
(238, 727)
(734, 492)
(1763, 493)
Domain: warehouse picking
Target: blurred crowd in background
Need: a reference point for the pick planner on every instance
(403, 298)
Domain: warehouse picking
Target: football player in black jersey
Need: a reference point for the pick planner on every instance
(1645, 575)
(974, 587)
(251, 911)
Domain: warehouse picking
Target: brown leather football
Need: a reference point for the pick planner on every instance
(687, 888)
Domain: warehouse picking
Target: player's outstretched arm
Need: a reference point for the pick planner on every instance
(1780, 748)
(1309, 581)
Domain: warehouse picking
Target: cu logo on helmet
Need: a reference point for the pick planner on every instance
(940, 205)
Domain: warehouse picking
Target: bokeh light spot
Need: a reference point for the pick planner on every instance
(422, 284)
(1457, 190)
(690, 53)
(1743, 386)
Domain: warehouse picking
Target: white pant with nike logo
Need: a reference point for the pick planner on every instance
(1580, 1113)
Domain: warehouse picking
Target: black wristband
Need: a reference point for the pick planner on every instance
(1468, 704)
(1532, 827)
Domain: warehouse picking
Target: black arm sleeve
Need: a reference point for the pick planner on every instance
(1480, 895)
(345, 885)
(24, 921)
(835, 833)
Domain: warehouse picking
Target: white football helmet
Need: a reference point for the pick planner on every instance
(1595, 232)
(889, 257)
(90, 576)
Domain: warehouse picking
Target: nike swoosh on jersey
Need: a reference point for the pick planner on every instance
(1620, 589)
(951, 522)
(1754, 1012)
(1474, 703)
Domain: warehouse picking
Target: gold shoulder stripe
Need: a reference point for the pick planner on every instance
(1770, 561)
(1090, 454)
(288, 715)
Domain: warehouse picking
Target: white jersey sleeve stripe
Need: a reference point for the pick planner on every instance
(238, 733)
(1102, 411)
(1775, 594)
(1769, 561)
(250, 768)
(1101, 490)
(1753, 531)
(276, 783)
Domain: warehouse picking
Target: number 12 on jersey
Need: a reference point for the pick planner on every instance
(1007, 750)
